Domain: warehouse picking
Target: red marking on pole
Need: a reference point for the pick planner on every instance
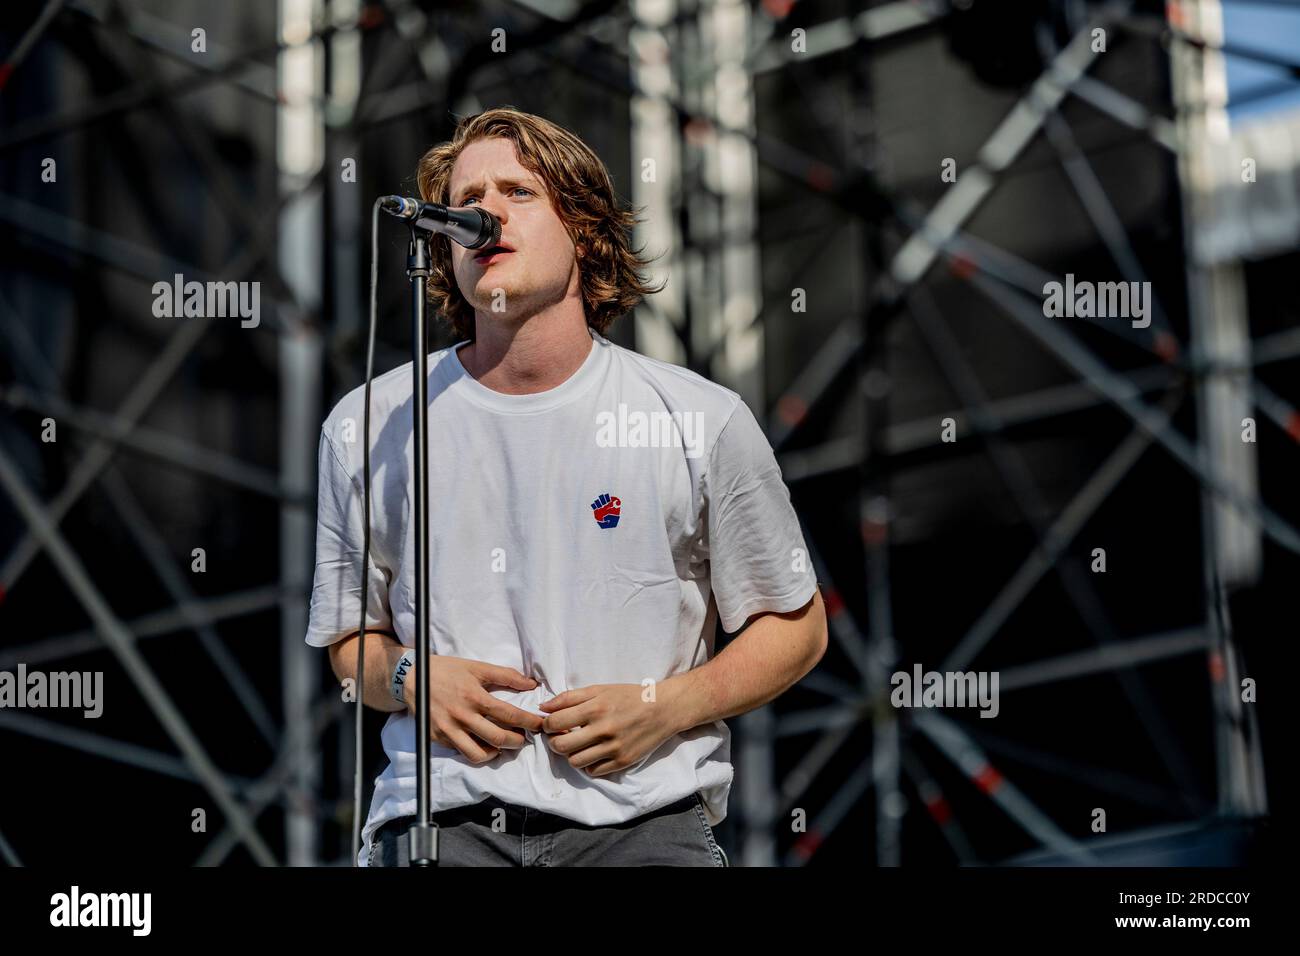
(697, 130)
(834, 603)
(3, 594)
(1293, 425)
(961, 266)
(6, 71)
(939, 809)
(988, 779)
(873, 532)
(791, 409)
(372, 14)
(778, 9)
(807, 844)
(1166, 347)
(1174, 13)
(821, 177)
(1217, 670)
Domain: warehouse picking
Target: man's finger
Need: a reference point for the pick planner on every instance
(466, 745)
(570, 697)
(599, 752)
(504, 676)
(557, 722)
(511, 716)
(494, 735)
(575, 741)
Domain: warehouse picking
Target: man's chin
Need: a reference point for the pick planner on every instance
(499, 303)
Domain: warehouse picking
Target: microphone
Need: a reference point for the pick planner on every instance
(469, 226)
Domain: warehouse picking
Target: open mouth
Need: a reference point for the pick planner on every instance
(495, 254)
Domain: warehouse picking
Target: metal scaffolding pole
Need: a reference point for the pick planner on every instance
(1231, 549)
(300, 156)
(657, 154)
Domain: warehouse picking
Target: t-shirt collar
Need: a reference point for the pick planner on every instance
(475, 391)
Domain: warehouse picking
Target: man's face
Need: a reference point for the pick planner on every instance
(542, 268)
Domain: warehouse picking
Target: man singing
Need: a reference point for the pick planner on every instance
(593, 513)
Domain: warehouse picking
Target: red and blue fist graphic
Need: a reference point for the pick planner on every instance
(605, 509)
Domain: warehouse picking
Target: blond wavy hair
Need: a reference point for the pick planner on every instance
(611, 273)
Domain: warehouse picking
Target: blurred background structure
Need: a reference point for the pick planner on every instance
(857, 207)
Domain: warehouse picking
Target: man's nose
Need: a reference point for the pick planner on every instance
(495, 203)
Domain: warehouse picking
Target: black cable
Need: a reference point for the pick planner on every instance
(357, 821)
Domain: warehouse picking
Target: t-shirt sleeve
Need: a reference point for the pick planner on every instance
(336, 589)
(758, 561)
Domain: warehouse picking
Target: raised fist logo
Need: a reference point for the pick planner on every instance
(605, 509)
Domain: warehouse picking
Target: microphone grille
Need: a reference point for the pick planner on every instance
(495, 225)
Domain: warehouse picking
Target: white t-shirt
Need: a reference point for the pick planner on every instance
(588, 534)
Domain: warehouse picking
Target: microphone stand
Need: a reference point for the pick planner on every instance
(423, 833)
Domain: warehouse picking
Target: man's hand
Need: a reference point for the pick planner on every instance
(463, 715)
(609, 727)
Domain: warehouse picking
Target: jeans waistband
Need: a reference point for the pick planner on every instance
(539, 821)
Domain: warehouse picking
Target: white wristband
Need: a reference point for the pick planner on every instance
(401, 671)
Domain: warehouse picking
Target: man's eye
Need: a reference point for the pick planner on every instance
(524, 189)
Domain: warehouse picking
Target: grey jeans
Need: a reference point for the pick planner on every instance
(494, 833)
